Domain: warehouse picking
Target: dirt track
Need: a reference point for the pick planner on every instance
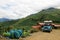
(54, 35)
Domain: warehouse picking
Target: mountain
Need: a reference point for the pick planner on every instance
(46, 14)
(4, 19)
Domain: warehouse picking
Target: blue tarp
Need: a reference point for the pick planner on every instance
(15, 33)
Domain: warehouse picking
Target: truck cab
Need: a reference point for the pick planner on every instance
(47, 26)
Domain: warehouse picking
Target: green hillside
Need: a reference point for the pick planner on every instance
(4, 26)
(46, 14)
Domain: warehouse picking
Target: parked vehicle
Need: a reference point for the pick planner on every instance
(46, 28)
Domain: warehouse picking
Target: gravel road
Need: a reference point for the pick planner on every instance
(54, 35)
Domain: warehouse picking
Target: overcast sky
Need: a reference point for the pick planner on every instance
(14, 9)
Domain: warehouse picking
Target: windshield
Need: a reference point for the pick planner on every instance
(47, 26)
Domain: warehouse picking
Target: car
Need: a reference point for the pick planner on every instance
(47, 28)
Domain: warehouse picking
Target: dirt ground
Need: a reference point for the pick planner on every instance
(54, 35)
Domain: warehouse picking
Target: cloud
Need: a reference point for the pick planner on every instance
(15, 9)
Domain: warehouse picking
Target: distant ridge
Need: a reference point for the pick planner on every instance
(4, 19)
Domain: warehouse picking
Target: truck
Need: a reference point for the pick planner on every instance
(47, 27)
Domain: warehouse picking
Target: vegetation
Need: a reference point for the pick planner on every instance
(26, 23)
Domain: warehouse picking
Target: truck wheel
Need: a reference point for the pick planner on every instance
(49, 31)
